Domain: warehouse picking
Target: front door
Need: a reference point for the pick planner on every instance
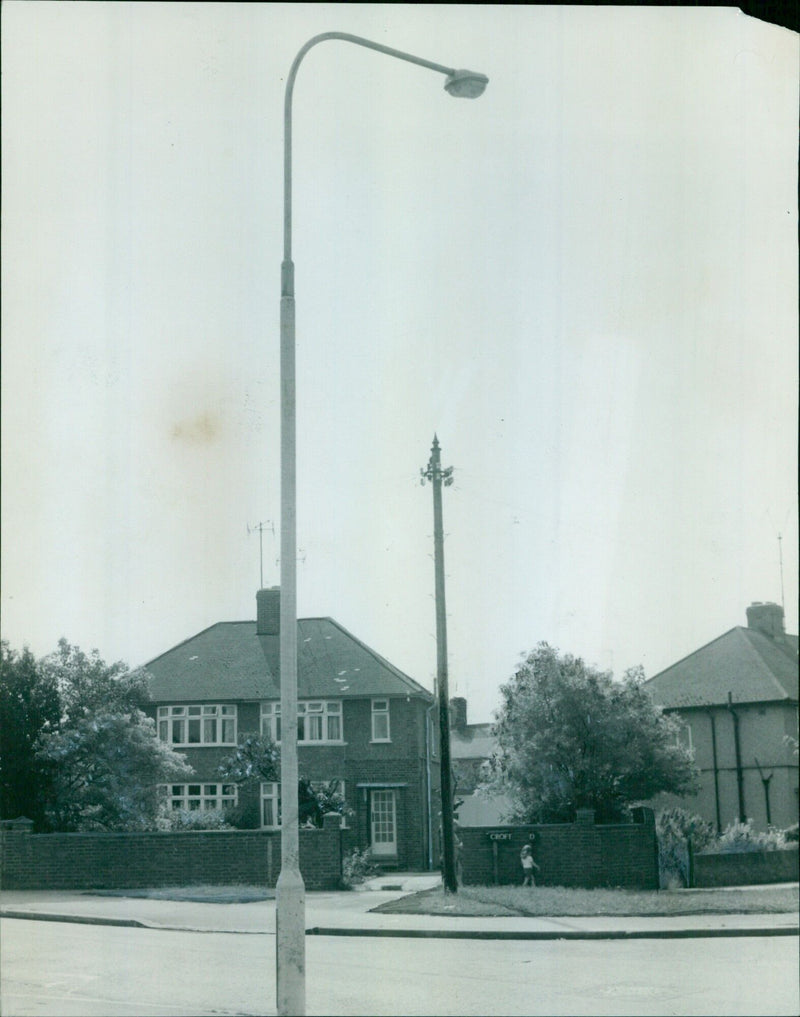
(384, 824)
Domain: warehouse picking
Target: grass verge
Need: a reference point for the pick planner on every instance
(552, 901)
(197, 894)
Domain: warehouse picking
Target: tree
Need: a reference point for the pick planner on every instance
(105, 758)
(74, 724)
(87, 685)
(29, 708)
(106, 771)
(571, 737)
(256, 758)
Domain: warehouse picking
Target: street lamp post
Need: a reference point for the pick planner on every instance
(290, 891)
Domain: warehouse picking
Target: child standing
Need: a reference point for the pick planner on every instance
(528, 865)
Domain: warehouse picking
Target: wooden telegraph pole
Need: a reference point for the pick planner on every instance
(437, 476)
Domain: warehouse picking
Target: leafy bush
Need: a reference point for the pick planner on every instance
(792, 834)
(675, 828)
(178, 820)
(245, 815)
(356, 867)
(316, 799)
(740, 837)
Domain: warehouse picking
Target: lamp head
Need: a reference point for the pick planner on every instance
(466, 84)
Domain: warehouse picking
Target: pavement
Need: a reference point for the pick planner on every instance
(248, 910)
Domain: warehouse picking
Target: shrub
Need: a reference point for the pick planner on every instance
(356, 867)
(740, 837)
(177, 820)
(244, 815)
(792, 834)
(316, 799)
(675, 828)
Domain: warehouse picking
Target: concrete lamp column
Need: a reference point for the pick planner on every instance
(290, 891)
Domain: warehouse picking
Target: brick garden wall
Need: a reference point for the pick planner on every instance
(106, 861)
(568, 854)
(747, 868)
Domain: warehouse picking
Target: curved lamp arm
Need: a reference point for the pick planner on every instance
(460, 84)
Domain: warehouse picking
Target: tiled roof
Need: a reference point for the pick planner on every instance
(230, 660)
(743, 661)
(474, 741)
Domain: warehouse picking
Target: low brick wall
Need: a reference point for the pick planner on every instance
(746, 868)
(107, 861)
(568, 854)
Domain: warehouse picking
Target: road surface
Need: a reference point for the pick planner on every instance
(71, 969)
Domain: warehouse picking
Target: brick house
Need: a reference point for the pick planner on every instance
(361, 722)
(738, 696)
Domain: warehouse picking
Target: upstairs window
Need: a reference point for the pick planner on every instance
(380, 720)
(271, 721)
(197, 725)
(318, 721)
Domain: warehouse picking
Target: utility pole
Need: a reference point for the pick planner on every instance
(437, 476)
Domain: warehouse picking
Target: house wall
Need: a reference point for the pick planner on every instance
(359, 761)
(104, 861)
(480, 809)
(568, 854)
(468, 774)
(401, 762)
(762, 727)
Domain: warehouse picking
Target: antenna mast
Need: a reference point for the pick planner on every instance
(261, 527)
(780, 559)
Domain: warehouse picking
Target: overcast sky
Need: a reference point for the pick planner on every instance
(585, 282)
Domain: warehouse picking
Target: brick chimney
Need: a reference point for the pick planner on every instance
(766, 618)
(268, 611)
(458, 713)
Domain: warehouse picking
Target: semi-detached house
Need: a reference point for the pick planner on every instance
(738, 699)
(361, 722)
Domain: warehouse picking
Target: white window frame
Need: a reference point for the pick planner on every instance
(380, 710)
(270, 792)
(200, 797)
(177, 724)
(684, 737)
(314, 717)
(271, 721)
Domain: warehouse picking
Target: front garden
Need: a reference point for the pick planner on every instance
(683, 837)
